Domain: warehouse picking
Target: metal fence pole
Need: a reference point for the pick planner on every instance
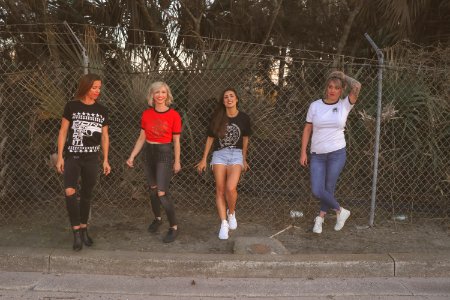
(83, 50)
(378, 125)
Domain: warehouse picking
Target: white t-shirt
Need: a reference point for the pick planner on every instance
(328, 121)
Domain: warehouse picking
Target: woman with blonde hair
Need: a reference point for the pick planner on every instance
(160, 132)
(326, 120)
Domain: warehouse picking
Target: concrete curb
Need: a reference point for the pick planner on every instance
(421, 265)
(91, 261)
(24, 259)
(228, 265)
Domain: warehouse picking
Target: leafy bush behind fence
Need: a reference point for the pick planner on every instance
(413, 173)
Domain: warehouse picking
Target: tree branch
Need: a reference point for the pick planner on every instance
(272, 22)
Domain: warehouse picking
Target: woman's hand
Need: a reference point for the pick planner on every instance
(106, 168)
(246, 166)
(60, 165)
(338, 74)
(176, 167)
(201, 166)
(130, 162)
(303, 159)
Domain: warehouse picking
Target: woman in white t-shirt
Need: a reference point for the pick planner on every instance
(326, 120)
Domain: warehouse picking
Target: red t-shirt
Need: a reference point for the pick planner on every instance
(160, 126)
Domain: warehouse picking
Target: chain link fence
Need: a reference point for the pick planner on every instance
(414, 166)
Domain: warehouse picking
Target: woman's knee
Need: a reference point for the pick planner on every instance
(220, 191)
(318, 193)
(70, 191)
(231, 190)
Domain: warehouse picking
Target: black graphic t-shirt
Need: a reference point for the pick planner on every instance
(237, 128)
(85, 129)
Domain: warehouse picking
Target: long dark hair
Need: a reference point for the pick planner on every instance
(85, 84)
(219, 118)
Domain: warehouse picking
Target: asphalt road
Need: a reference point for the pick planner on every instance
(34, 285)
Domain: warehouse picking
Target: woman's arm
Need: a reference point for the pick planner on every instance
(105, 149)
(201, 166)
(177, 152)
(305, 141)
(62, 136)
(355, 88)
(137, 148)
(244, 151)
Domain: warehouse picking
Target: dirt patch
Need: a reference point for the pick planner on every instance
(198, 234)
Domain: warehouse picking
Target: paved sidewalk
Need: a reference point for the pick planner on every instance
(33, 285)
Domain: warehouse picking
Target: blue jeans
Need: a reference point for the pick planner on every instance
(325, 170)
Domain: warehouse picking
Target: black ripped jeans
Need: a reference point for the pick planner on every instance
(158, 169)
(86, 168)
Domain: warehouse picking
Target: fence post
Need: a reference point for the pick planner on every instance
(83, 50)
(378, 125)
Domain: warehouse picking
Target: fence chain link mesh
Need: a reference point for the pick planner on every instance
(414, 167)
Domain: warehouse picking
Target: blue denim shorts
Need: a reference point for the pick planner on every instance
(227, 157)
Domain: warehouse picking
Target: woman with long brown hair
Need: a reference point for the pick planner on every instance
(83, 132)
(228, 133)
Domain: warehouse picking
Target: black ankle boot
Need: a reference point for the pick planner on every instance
(77, 243)
(85, 237)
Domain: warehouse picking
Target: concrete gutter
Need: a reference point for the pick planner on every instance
(421, 265)
(91, 261)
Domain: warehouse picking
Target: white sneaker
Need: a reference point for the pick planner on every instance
(341, 218)
(318, 224)
(232, 223)
(223, 233)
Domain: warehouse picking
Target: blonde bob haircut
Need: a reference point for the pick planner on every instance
(156, 86)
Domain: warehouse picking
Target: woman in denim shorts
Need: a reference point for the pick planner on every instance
(228, 133)
(326, 120)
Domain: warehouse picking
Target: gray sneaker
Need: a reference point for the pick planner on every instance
(153, 227)
(171, 235)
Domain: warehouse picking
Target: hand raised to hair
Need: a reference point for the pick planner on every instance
(337, 74)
